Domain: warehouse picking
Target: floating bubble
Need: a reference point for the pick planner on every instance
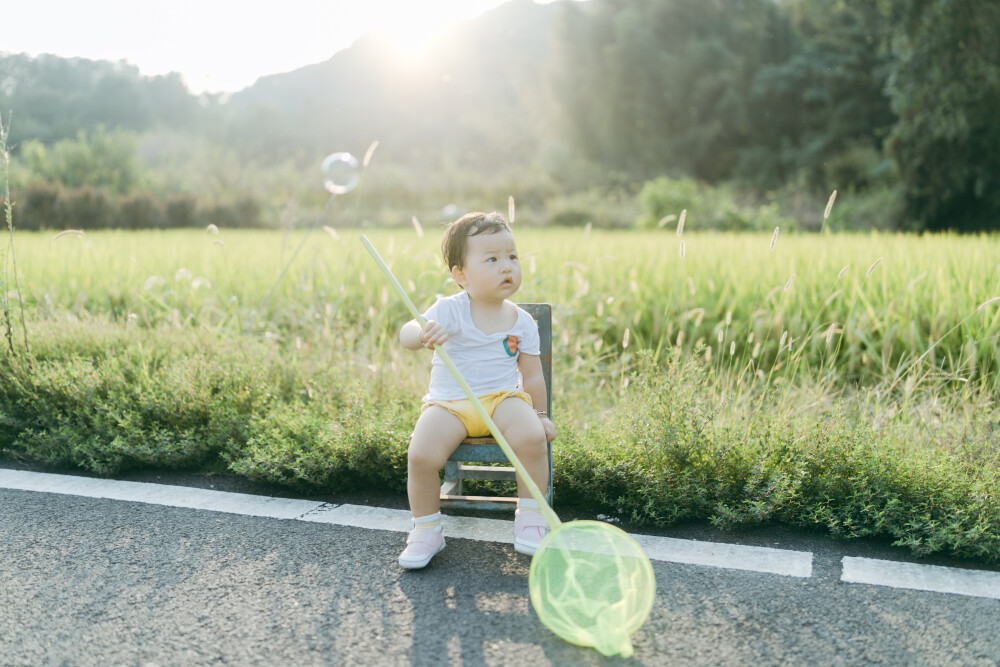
(340, 173)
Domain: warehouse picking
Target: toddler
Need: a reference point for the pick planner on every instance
(489, 339)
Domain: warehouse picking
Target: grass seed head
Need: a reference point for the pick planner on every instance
(368, 153)
(666, 220)
(829, 332)
(680, 222)
(829, 205)
(872, 268)
(988, 302)
(774, 238)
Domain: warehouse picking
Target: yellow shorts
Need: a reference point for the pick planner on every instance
(466, 412)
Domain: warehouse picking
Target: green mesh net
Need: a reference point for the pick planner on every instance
(592, 585)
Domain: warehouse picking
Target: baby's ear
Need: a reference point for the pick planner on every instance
(458, 275)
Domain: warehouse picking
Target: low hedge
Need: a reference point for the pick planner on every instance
(108, 398)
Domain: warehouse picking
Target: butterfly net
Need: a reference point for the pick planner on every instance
(592, 584)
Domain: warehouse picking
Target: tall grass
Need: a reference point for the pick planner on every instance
(893, 313)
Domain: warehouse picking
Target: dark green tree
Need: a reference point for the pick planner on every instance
(825, 101)
(655, 87)
(944, 85)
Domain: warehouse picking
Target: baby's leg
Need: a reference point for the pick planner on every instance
(435, 437)
(526, 436)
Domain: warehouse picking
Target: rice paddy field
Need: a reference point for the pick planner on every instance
(841, 381)
(838, 311)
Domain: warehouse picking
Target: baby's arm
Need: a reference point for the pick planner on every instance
(534, 385)
(413, 337)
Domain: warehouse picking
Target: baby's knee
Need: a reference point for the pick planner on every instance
(424, 457)
(529, 440)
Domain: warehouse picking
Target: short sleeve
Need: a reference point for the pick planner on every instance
(444, 313)
(529, 343)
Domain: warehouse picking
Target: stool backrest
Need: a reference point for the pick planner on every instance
(542, 312)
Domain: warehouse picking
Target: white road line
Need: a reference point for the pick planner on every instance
(381, 518)
(732, 556)
(692, 552)
(914, 576)
(157, 494)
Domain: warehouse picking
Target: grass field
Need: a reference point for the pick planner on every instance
(847, 381)
(840, 310)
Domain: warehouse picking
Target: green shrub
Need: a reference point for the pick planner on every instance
(88, 208)
(660, 460)
(140, 211)
(878, 208)
(181, 211)
(38, 207)
(607, 210)
(708, 208)
(363, 447)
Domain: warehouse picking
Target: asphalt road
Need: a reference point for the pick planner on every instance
(98, 582)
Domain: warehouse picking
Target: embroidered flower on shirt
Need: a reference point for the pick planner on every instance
(510, 346)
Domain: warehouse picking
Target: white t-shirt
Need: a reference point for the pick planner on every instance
(488, 362)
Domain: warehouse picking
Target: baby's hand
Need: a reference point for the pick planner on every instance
(550, 428)
(433, 334)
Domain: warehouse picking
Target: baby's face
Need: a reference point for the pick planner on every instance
(492, 271)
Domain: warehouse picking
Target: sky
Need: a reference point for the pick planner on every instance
(222, 45)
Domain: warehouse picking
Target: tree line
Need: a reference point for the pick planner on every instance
(891, 101)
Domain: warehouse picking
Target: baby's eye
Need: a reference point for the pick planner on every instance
(491, 259)
(514, 256)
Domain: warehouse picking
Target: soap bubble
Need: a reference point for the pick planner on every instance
(340, 173)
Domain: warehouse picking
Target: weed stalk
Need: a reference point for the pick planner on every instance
(10, 256)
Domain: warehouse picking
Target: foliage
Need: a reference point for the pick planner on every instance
(108, 399)
(563, 105)
(102, 160)
(824, 100)
(945, 88)
(674, 80)
(708, 208)
(53, 98)
(43, 206)
(660, 460)
(595, 206)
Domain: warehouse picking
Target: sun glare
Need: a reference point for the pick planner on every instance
(412, 39)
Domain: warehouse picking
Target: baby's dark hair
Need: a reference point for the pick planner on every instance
(456, 236)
